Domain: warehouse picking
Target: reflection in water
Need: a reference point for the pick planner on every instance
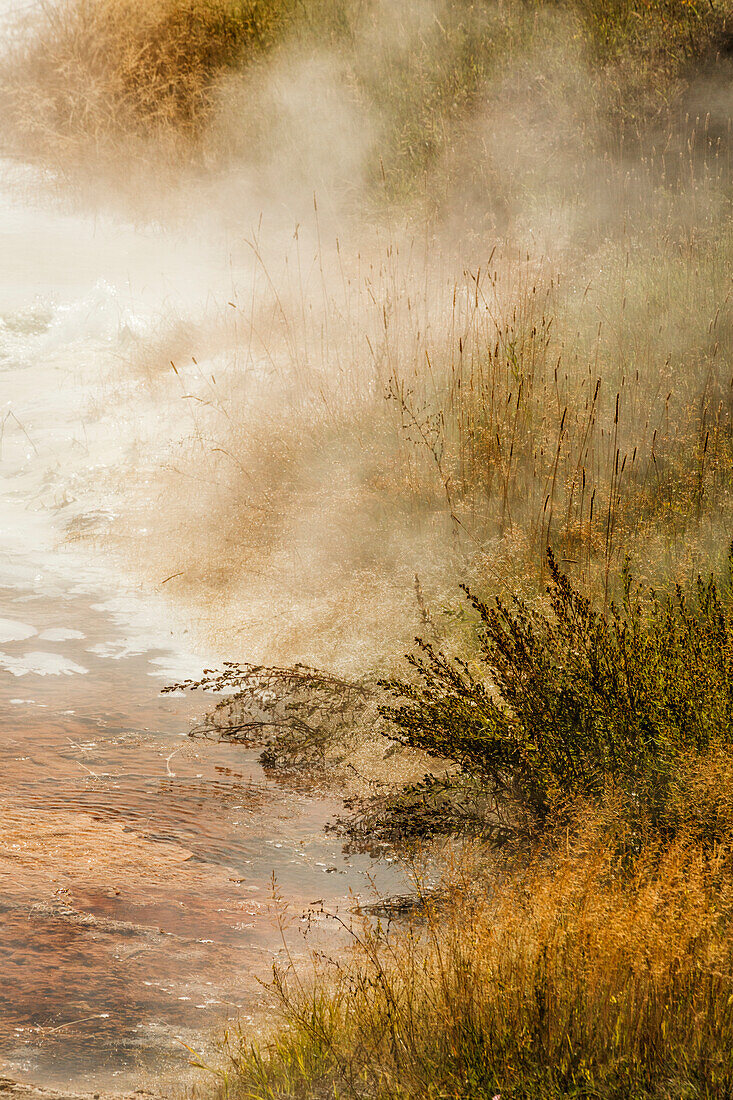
(135, 863)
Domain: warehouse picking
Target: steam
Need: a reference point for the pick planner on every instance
(375, 381)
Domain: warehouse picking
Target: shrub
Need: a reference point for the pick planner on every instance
(573, 703)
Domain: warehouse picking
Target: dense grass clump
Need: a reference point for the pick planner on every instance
(86, 73)
(567, 980)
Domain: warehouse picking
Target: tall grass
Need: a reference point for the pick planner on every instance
(384, 418)
(588, 412)
(567, 979)
(578, 438)
(92, 76)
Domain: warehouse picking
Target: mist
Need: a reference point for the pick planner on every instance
(385, 356)
(312, 318)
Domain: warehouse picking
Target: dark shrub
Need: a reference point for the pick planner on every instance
(575, 702)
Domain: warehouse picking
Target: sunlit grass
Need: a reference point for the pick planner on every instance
(153, 81)
(567, 978)
(523, 339)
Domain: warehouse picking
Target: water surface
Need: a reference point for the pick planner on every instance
(136, 865)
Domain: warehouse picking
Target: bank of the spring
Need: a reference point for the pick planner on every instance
(581, 942)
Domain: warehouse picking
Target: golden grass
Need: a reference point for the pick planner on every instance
(570, 977)
(145, 80)
(469, 425)
(88, 74)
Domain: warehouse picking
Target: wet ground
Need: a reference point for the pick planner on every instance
(136, 865)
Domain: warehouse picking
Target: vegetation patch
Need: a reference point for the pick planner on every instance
(87, 73)
(302, 718)
(566, 979)
(569, 705)
(592, 953)
(103, 77)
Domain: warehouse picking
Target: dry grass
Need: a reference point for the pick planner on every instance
(568, 978)
(466, 426)
(398, 407)
(167, 83)
(94, 74)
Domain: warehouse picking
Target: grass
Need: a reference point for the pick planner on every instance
(90, 74)
(520, 411)
(551, 365)
(566, 979)
(575, 437)
(597, 961)
(181, 81)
